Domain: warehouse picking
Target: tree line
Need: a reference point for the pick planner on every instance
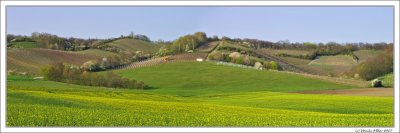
(71, 74)
(189, 43)
(50, 41)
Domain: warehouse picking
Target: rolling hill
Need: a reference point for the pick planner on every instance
(285, 51)
(97, 52)
(33, 60)
(208, 47)
(134, 45)
(188, 93)
(193, 94)
(335, 65)
(209, 77)
(365, 54)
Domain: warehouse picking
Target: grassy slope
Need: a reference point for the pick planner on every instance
(46, 103)
(365, 54)
(134, 45)
(33, 60)
(326, 65)
(193, 78)
(338, 60)
(333, 64)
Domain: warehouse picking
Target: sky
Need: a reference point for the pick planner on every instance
(295, 24)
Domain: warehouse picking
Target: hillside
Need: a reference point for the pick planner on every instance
(134, 45)
(33, 60)
(285, 51)
(193, 94)
(365, 54)
(212, 82)
(194, 78)
(97, 52)
(335, 65)
(208, 47)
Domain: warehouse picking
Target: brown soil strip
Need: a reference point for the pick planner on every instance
(380, 92)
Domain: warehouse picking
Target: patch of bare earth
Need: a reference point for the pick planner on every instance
(380, 92)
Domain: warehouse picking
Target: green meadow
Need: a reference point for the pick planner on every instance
(194, 94)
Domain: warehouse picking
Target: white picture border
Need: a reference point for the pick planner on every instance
(196, 3)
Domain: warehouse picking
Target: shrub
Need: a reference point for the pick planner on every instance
(240, 60)
(216, 56)
(54, 72)
(376, 83)
(235, 55)
(91, 65)
(247, 61)
(227, 58)
(274, 65)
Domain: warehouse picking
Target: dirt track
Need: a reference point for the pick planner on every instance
(381, 92)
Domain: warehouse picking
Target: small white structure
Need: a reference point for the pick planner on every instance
(199, 59)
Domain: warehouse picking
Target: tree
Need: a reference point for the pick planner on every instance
(374, 67)
(273, 65)
(91, 65)
(72, 74)
(104, 63)
(214, 38)
(163, 51)
(54, 72)
(201, 36)
(185, 43)
(224, 38)
(240, 60)
(142, 37)
(216, 56)
(132, 35)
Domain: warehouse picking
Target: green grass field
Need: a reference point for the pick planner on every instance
(193, 78)
(193, 94)
(134, 45)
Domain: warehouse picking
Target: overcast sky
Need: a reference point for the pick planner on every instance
(296, 24)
